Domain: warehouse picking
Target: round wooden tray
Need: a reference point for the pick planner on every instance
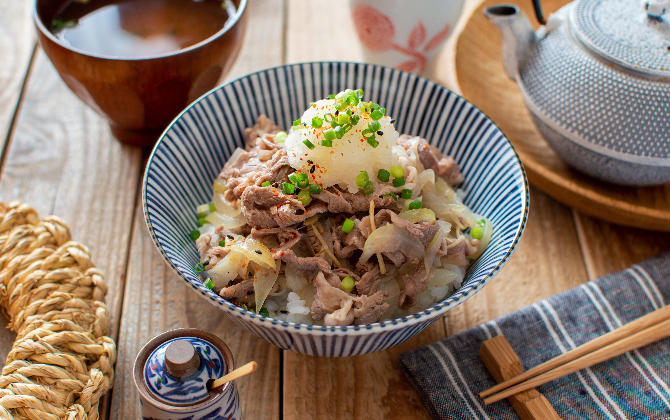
(482, 81)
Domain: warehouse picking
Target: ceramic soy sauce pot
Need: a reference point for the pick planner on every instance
(596, 80)
(172, 372)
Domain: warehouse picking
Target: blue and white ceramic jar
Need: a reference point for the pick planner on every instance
(172, 372)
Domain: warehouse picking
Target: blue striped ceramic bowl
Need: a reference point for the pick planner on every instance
(196, 145)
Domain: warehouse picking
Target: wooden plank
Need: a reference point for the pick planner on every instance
(17, 42)
(156, 299)
(547, 261)
(608, 248)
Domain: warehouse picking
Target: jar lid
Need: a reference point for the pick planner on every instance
(626, 33)
(176, 372)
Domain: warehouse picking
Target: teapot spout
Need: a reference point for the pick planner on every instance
(517, 36)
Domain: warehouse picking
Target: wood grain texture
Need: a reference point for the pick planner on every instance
(17, 42)
(608, 247)
(483, 81)
(371, 386)
(157, 299)
(547, 261)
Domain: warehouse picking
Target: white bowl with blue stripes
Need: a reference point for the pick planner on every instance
(194, 148)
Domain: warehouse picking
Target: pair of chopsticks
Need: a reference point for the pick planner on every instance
(645, 330)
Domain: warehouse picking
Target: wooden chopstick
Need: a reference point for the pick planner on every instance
(626, 330)
(642, 338)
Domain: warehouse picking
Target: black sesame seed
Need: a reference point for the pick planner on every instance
(380, 133)
(337, 113)
(310, 162)
(392, 121)
(230, 237)
(258, 251)
(312, 169)
(283, 311)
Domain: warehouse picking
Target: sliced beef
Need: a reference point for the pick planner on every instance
(412, 284)
(309, 264)
(344, 244)
(336, 307)
(266, 207)
(339, 201)
(368, 309)
(331, 304)
(369, 281)
(210, 252)
(252, 168)
(238, 290)
(263, 127)
(443, 166)
(457, 252)
(422, 231)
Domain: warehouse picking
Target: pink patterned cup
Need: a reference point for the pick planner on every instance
(405, 34)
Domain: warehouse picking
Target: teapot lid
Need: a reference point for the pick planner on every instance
(629, 33)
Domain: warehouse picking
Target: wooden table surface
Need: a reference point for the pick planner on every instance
(60, 157)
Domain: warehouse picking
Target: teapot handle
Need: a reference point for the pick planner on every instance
(538, 12)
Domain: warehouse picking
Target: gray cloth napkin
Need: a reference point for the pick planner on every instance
(448, 374)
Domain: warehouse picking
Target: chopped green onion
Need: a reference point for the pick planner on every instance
(359, 92)
(201, 222)
(399, 182)
(368, 188)
(343, 119)
(397, 171)
(212, 207)
(330, 135)
(301, 180)
(416, 204)
(194, 234)
(317, 122)
(348, 284)
(383, 175)
(296, 123)
(201, 215)
(315, 189)
(394, 195)
(287, 188)
(222, 242)
(308, 143)
(304, 197)
(355, 119)
(481, 222)
(406, 194)
(477, 232)
(327, 143)
(372, 141)
(264, 312)
(293, 177)
(376, 114)
(362, 179)
(266, 184)
(348, 225)
(281, 136)
(331, 96)
(199, 268)
(374, 127)
(339, 131)
(209, 284)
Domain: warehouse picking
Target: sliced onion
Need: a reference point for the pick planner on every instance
(219, 186)
(431, 250)
(264, 280)
(253, 250)
(230, 223)
(224, 206)
(227, 269)
(390, 238)
(484, 242)
(447, 276)
(418, 215)
(426, 177)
